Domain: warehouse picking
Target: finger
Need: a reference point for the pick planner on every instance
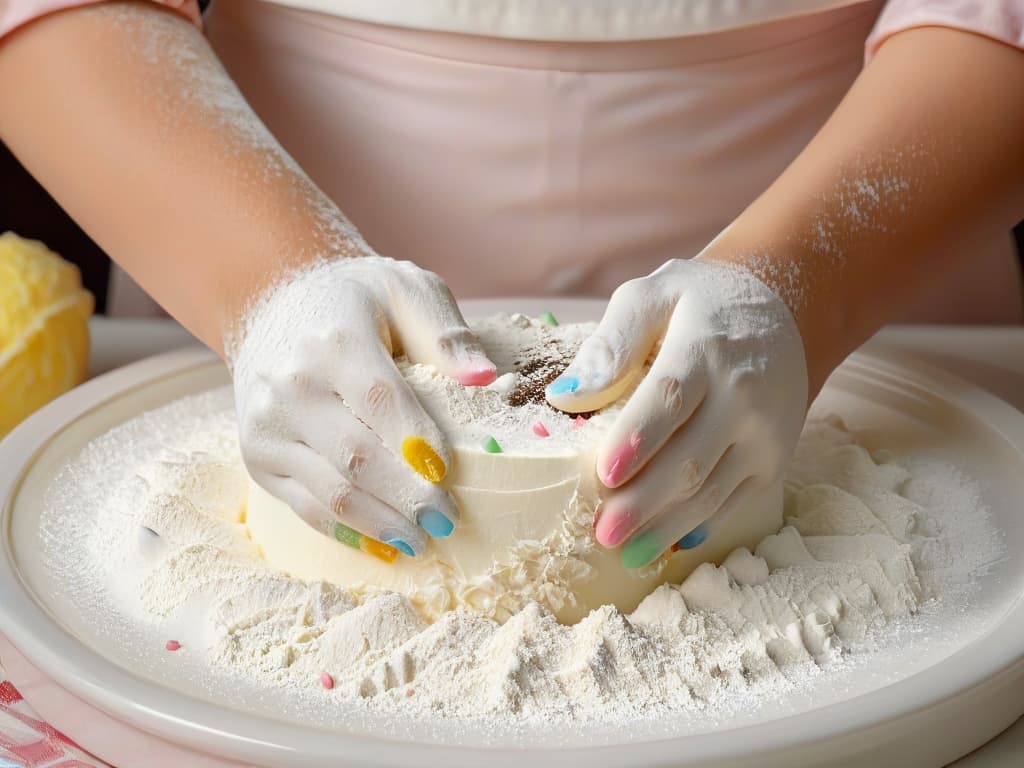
(614, 353)
(342, 501)
(372, 387)
(665, 529)
(430, 328)
(320, 518)
(360, 457)
(673, 476)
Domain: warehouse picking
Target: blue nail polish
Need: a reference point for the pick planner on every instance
(436, 523)
(694, 538)
(401, 546)
(564, 385)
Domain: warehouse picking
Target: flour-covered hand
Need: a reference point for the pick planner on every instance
(714, 420)
(327, 423)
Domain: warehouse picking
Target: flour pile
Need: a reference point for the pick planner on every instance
(866, 542)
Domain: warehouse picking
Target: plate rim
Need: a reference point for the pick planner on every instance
(174, 714)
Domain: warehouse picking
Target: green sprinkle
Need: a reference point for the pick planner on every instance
(491, 446)
(347, 536)
(642, 549)
(548, 318)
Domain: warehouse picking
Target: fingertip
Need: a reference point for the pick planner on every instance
(435, 522)
(694, 538)
(422, 457)
(641, 550)
(613, 527)
(478, 375)
(616, 466)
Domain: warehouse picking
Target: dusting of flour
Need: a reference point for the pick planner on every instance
(868, 542)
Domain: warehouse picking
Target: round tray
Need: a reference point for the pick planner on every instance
(926, 713)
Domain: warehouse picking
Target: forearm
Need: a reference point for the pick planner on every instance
(140, 135)
(925, 148)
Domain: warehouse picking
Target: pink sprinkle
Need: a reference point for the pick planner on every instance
(540, 430)
(326, 681)
(409, 693)
(578, 422)
(172, 645)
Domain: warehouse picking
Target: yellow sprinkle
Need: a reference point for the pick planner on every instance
(379, 550)
(423, 459)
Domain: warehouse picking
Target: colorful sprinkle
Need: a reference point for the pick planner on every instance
(578, 422)
(491, 445)
(353, 538)
(409, 692)
(548, 318)
(172, 645)
(540, 430)
(424, 459)
(326, 681)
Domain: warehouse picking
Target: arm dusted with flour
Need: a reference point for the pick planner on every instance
(137, 131)
(124, 113)
(925, 147)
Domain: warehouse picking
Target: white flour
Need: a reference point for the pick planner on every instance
(867, 540)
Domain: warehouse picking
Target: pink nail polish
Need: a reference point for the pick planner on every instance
(620, 460)
(612, 529)
(479, 376)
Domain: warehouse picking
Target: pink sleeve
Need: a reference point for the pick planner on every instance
(1001, 20)
(15, 13)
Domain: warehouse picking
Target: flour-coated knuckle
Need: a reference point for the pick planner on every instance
(632, 292)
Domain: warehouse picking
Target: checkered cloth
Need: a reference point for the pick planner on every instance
(28, 742)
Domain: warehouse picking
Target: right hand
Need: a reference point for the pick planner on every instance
(327, 423)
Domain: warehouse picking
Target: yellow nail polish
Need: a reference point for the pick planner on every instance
(424, 459)
(382, 551)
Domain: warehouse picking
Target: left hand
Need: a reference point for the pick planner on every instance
(715, 419)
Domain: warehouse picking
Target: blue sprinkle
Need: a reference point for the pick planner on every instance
(564, 385)
(694, 538)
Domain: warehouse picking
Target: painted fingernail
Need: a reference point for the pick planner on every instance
(621, 460)
(563, 385)
(350, 537)
(477, 376)
(424, 459)
(436, 523)
(694, 538)
(614, 527)
(642, 549)
(401, 546)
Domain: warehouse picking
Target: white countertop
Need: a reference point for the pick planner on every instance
(992, 358)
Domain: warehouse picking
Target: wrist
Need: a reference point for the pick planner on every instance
(819, 313)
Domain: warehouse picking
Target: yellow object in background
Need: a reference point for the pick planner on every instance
(44, 331)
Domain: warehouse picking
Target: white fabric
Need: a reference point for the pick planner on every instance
(570, 20)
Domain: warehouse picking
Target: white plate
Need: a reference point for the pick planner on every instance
(934, 707)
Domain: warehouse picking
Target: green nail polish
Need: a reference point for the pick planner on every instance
(640, 550)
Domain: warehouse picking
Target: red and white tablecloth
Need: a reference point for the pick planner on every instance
(28, 742)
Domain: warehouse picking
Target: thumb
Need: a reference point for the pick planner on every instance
(614, 353)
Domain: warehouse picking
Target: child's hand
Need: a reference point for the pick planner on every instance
(715, 419)
(327, 422)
